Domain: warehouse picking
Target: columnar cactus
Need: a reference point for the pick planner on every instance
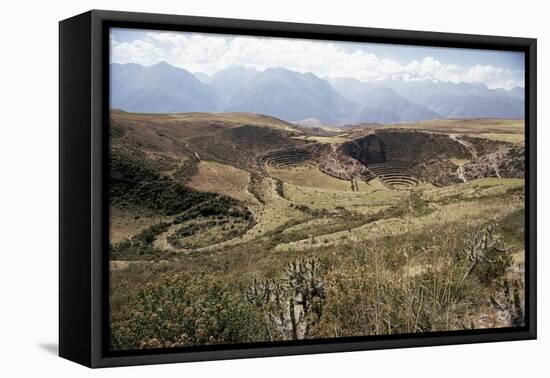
(511, 303)
(296, 301)
(259, 292)
(482, 248)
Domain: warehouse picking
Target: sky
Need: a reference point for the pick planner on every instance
(209, 53)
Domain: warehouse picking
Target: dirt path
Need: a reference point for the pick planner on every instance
(460, 173)
(470, 148)
(467, 145)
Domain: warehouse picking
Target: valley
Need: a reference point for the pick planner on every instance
(237, 227)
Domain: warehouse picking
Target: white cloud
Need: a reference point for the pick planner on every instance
(137, 51)
(493, 77)
(211, 53)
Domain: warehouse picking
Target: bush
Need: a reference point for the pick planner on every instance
(139, 246)
(182, 310)
(134, 181)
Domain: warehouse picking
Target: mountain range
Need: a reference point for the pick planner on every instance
(160, 88)
(294, 96)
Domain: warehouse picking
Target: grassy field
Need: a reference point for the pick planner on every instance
(468, 126)
(517, 138)
(216, 251)
(337, 138)
(195, 123)
(223, 179)
(311, 177)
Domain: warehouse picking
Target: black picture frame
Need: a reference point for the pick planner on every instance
(84, 214)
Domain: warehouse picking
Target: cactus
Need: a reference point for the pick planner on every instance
(511, 304)
(483, 249)
(294, 302)
(259, 293)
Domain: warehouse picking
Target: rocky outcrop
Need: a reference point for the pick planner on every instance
(508, 161)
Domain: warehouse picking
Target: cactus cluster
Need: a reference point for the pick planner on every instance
(484, 248)
(293, 303)
(510, 303)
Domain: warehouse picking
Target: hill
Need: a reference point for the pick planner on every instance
(212, 211)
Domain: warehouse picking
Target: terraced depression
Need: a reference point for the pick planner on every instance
(394, 175)
(287, 158)
(221, 221)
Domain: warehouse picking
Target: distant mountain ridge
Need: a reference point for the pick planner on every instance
(229, 80)
(294, 96)
(462, 100)
(291, 96)
(381, 104)
(160, 88)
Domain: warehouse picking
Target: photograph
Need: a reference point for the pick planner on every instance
(275, 189)
(271, 189)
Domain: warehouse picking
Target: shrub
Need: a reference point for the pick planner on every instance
(182, 310)
(134, 181)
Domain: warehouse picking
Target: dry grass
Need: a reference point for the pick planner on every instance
(390, 260)
(467, 126)
(517, 138)
(325, 139)
(222, 179)
(126, 223)
(311, 177)
(475, 189)
(459, 162)
(369, 198)
(444, 216)
(199, 123)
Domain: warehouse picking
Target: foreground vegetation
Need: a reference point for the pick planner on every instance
(290, 253)
(447, 278)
